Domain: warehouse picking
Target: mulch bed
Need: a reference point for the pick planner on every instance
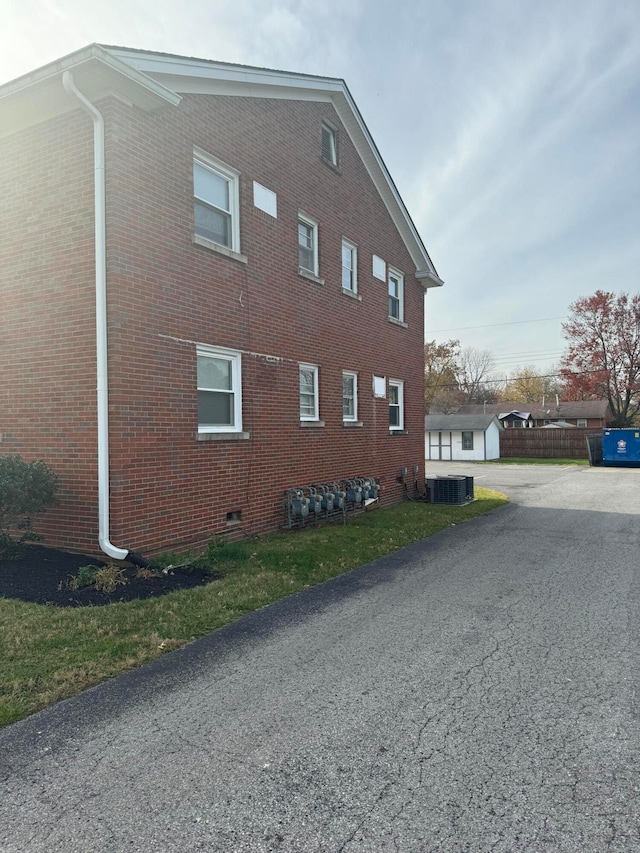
(41, 575)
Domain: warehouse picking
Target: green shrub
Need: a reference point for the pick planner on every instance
(26, 488)
(85, 576)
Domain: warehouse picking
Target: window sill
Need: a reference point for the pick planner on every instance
(352, 423)
(333, 166)
(351, 294)
(223, 436)
(310, 276)
(397, 322)
(311, 423)
(398, 432)
(221, 250)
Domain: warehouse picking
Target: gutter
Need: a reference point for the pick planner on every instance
(101, 327)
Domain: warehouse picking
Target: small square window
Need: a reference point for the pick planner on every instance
(308, 245)
(396, 295)
(467, 440)
(581, 422)
(219, 390)
(349, 267)
(309, 409)
(329, 145)
(349, 396)
(396, 404)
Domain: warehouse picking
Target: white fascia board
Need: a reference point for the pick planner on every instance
(181, 67)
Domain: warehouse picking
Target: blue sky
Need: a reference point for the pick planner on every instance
(511, 128)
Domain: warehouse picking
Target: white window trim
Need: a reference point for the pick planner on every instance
(399, 384)
(400, 278)
(347, 244)
(581, 422)
(314, 226)
(354, 417)
(236, 381)
(233, 177)
(315, 371)
(462, 439)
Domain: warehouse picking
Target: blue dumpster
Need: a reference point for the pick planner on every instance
(621, 447)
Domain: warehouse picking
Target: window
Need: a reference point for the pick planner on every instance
(396, 296)
(581, 422)
(309, 392)
(307, 245)
(396, 404)
(215, 188)
(329, 147)
(349, 396)
(467, 440)
(349, 267)
(219, 390)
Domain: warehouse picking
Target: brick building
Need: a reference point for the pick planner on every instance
(221, 251)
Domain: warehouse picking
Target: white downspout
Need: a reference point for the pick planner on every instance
(101, 320)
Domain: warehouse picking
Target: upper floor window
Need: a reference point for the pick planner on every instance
(349, 396)
(219, 390)
(396, 295)
(349, 267)
(215, 190)
(396, 404)
(329, 145)
(308, 245)
(309, 408)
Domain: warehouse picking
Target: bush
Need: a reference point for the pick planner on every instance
(26, 488)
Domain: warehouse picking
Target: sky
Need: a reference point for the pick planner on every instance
(510, 127)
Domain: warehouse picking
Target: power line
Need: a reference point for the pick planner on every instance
(491, 325)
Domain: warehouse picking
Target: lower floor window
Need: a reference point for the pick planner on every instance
(467, 440)
(396, 404)
(219, 390)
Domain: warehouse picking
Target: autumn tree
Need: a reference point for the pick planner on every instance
(441, 392)
(528, 385)
(603, 359)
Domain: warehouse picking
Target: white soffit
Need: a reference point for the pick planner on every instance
(40, 95)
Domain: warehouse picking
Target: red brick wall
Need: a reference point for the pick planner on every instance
(170, 490)
(47, 316)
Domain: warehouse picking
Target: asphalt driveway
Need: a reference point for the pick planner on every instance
(474, 692)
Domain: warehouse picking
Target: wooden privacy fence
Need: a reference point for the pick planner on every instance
(546, 443)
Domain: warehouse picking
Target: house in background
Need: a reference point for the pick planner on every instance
(222, 251)
(462, 438)
(590, 414)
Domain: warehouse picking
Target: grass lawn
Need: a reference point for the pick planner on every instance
(50, 653)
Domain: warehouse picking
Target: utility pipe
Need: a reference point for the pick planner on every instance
(101, 327)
